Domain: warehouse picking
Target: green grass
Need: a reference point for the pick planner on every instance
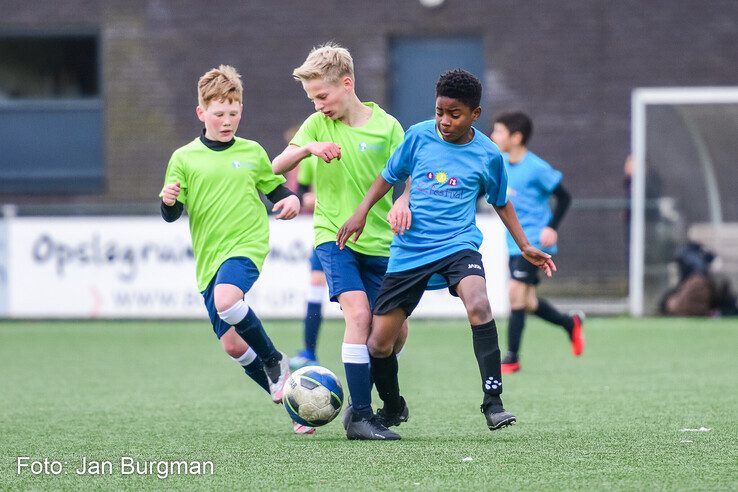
(162, 391)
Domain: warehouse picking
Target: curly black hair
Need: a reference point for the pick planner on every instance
(460, 85)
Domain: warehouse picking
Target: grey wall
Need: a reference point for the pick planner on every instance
(571, 64)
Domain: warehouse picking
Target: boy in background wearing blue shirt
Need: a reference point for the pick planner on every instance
(531, 182)
(450, 163)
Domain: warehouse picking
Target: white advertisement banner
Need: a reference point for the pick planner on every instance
(142, 267)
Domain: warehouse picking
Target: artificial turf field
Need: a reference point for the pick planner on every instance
(612, 419)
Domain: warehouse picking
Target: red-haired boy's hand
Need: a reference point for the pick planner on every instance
(170, 194)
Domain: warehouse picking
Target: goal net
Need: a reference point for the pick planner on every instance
(684, 185)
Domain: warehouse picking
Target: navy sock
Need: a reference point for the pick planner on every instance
(487, 352)
(252, 331)
(313, 319)
(549, 313)
(255, 371)
(360, 388)
(384, 373)
(515, 326)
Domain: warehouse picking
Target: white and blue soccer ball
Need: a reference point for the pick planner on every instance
(313, 396)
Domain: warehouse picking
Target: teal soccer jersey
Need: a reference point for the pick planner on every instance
(530, 184)
(446, 180)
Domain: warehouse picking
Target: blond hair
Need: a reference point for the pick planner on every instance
(220, 84)
(329, 62)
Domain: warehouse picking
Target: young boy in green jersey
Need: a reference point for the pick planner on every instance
(353, 141)
(217, 177)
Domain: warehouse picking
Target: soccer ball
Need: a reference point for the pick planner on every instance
(313, 396)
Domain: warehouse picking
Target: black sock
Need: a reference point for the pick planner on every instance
(384, 373)
(252, 331)
(515, 326)
(255, 371)
(487, 352)
(552, 315)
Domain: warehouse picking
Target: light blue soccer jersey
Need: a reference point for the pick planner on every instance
(529, 186)
(446, 181)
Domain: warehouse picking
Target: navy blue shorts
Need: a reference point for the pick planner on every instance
(239, 271)
(346, 270)
(523, 271)
(315, 265)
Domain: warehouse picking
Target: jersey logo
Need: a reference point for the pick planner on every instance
(474, 266)
(520, 273)
(363, 146)
(441, 177)
(238, 165)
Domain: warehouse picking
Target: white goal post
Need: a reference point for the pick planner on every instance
(641, 99)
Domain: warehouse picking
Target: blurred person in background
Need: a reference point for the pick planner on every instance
(531, 183)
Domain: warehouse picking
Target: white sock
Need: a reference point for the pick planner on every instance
(247, 358)
(354, 353)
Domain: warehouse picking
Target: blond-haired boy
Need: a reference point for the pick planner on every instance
(353, 141)
(217, 177)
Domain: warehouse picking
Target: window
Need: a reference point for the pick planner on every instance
(50, 114)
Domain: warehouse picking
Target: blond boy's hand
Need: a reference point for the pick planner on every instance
(288, 208)
(170, 194)
(325, 150)
(400, 216)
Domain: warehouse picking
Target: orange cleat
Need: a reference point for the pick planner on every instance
(510, 364)
(577, 335)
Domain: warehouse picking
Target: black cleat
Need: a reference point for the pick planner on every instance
(368, 429)
(499, 420)
(393, 419)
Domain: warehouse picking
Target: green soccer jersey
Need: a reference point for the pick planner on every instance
(340, 185)
(306, 171)
(219, 190)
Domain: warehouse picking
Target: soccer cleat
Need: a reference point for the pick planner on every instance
(509, 364)
(577, 334)
(393, 419)
(304, 430)
(276, 388)
(498, 420)
(368, 429)
(303, 359)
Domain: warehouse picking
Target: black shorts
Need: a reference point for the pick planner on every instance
(404, 289)
(523, 271)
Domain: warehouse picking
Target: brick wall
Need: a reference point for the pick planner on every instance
(571, 64)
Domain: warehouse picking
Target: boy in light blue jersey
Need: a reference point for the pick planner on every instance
(450, 163)
(531, 183)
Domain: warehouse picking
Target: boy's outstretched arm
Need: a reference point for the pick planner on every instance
(530, 253)
(355, 224)
(293, 154)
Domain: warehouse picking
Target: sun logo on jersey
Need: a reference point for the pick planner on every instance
(441, 177)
